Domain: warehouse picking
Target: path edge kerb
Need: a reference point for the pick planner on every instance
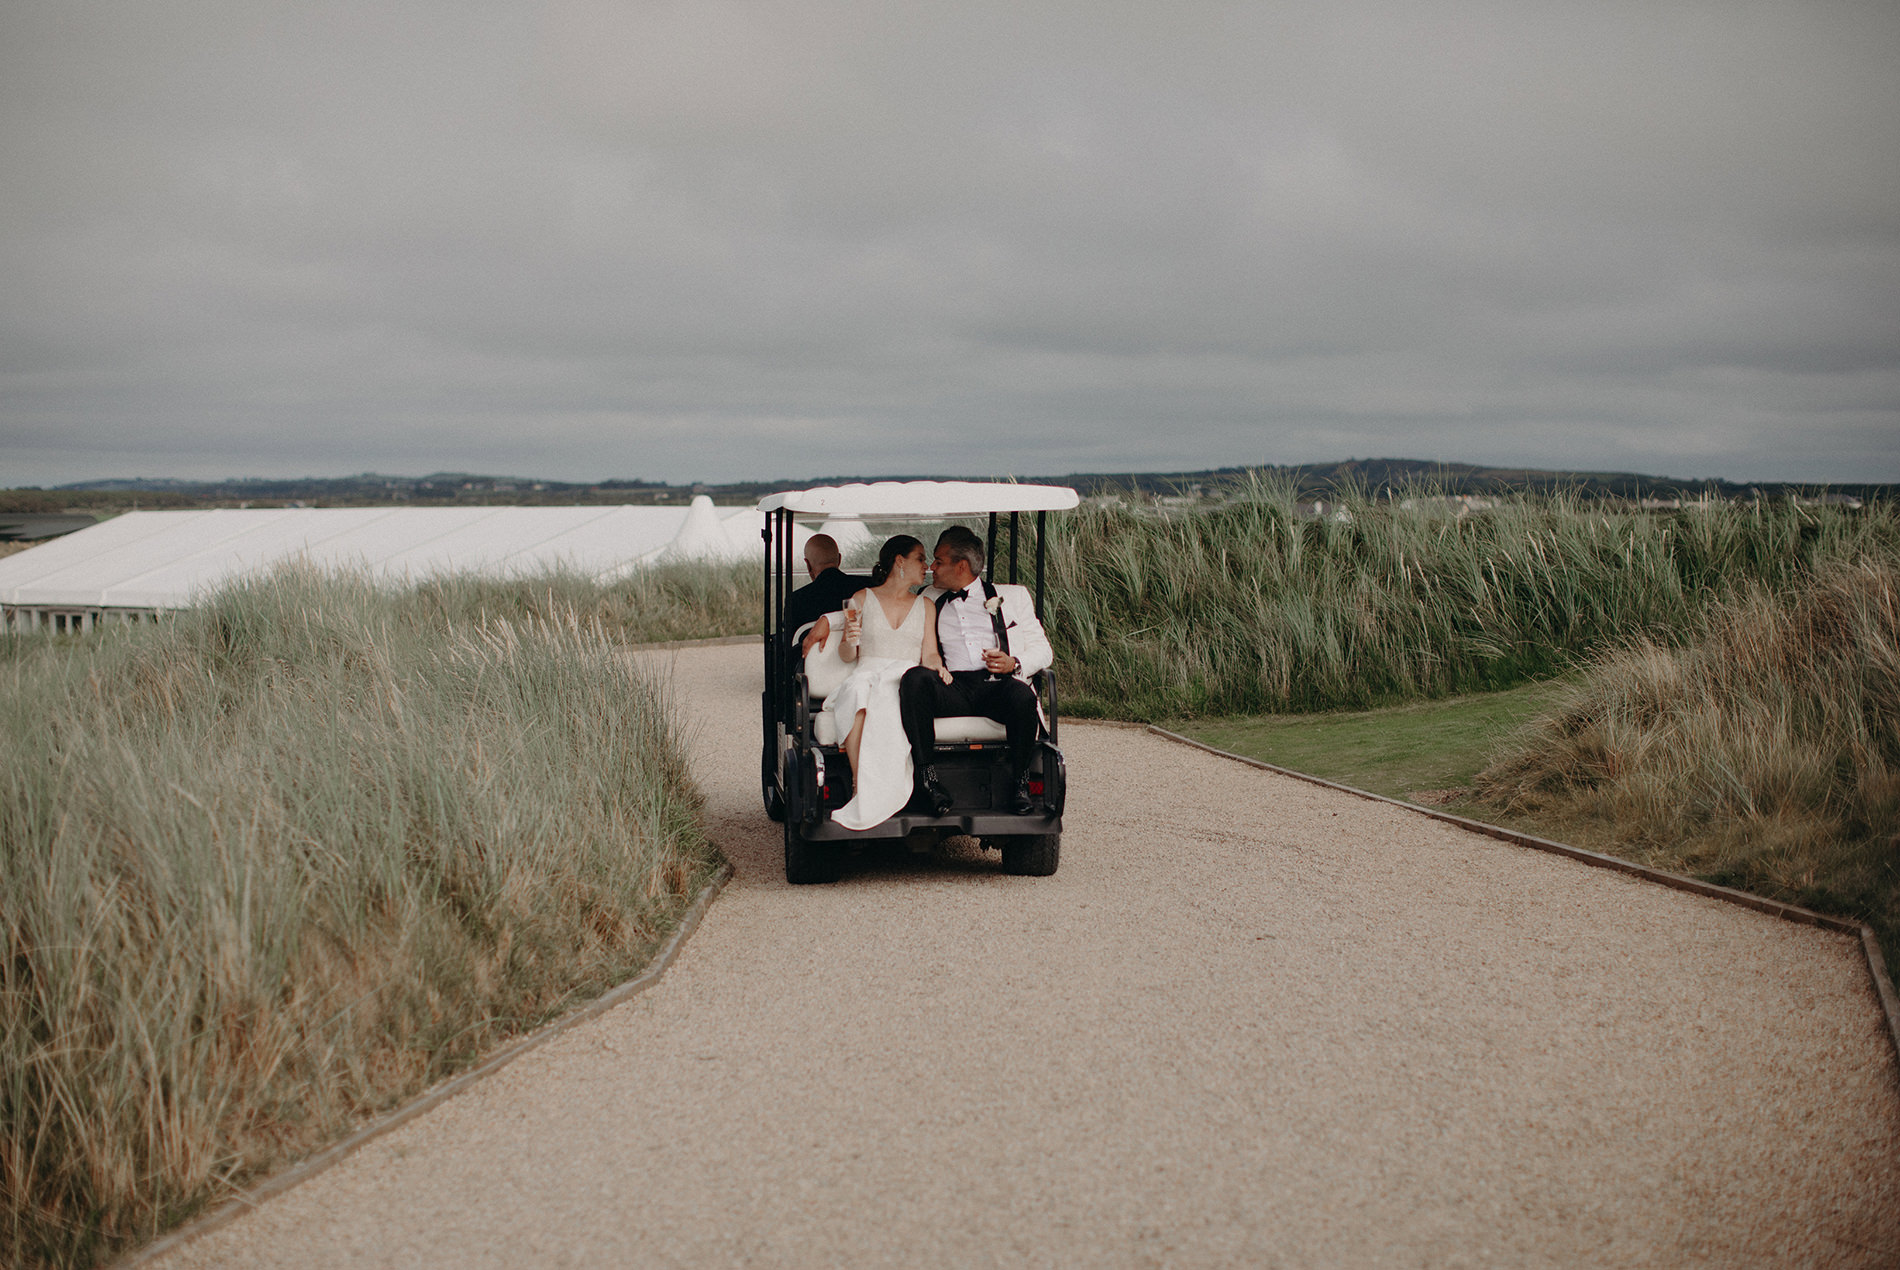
(1869, 942)
(429, 1099)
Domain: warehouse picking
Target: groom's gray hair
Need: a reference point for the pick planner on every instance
(962, 544)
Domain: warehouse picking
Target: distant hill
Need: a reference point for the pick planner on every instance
(1377, 477)
(1373, 476)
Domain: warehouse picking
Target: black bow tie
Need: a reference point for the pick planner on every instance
(964, 594)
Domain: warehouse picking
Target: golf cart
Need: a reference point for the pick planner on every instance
(804, 773)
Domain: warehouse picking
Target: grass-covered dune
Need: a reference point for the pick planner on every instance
(1249, 610)
(1730, 704)
(663, 602)
(275, 863)
(1763, 754)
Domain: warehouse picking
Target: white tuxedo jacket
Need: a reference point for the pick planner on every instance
(1028, 643)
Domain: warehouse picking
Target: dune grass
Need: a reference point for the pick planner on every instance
(1248, 610)
(1715, 692)
(1764, 754)
(276, 863)
(689, 600)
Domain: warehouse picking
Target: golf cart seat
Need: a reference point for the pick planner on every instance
(825, 670)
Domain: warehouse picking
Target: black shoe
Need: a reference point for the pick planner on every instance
(1023, 803)
(930, 797)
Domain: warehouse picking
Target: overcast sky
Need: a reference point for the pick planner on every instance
(716, 240)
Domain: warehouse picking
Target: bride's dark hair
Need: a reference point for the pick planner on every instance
(893, 550)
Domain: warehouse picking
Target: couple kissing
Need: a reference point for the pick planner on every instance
(966, 647)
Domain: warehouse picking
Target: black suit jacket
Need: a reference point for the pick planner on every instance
(824, 594)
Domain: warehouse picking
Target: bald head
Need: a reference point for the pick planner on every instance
(821, 553)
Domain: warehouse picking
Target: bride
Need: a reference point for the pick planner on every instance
(887, 630)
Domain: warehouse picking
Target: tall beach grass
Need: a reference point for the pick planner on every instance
(1764, 753)
(674, 601)
(1248, 609)
(275, 863)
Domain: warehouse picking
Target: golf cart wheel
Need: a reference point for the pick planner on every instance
(1032, 855)
(768, 782)
(808, 863)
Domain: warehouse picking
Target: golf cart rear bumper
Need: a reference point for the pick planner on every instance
(978, 824)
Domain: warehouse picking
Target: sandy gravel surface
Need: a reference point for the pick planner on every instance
(1250, 1022)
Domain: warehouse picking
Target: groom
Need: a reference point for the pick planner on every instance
(991, 643)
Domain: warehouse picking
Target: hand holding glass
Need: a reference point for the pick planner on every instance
(853, 624)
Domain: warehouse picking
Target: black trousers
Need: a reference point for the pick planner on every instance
(923, 698)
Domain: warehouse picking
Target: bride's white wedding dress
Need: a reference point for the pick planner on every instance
(884, 654)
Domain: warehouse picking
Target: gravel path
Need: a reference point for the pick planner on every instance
(1251, 1021)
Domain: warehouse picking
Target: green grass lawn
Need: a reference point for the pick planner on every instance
(1434, 745)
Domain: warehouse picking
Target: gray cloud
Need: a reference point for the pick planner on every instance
(720, 240)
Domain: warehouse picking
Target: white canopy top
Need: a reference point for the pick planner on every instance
(890, 500)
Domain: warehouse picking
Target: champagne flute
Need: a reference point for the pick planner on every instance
(853, 622)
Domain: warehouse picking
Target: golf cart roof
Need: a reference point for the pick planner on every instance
(934, 500)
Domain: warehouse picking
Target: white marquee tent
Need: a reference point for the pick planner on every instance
(148, 562)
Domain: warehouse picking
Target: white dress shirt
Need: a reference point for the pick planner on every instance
(964, 630)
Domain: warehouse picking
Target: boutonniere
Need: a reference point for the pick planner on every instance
(993, 605)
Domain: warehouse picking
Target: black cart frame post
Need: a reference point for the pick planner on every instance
(785, 536)
(1042, 526)
(769, 595)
